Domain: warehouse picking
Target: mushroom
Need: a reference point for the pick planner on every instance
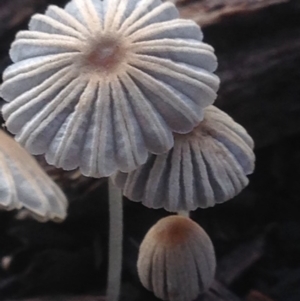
(207, 166)
(176, 259)
(23, 183)
(100, 84)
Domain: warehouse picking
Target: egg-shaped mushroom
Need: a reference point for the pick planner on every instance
(23, 183)
(100, 84)
(207, 166)
(176, 259)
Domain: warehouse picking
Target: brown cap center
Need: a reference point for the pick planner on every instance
(175, 230)
(106, 55)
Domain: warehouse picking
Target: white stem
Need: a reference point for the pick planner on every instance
(115, 242)
(184, 213)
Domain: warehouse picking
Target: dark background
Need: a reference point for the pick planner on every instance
(256, 235)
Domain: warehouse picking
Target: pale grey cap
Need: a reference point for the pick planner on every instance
(176, 259)
(101, 84)
(207, 166)
(23, 183)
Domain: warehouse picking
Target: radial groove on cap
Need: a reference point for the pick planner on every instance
(207, 166)
(23, 183)
(148, 70)
(176, 259)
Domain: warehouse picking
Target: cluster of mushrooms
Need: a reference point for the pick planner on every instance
(124, 89)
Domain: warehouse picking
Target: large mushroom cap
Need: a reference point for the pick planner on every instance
(24, 184)
(101, 83)
(176, 259)
(207, 166)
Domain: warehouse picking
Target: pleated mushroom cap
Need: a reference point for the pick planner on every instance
(176, 259)
(23, 183)
(207, 166)
(101, 84)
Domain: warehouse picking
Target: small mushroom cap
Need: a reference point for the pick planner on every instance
(207, 166)
(23, 183)
(176, 259)
(101, 84)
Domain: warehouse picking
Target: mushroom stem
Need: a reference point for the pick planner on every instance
(115, 242)
(183, 213)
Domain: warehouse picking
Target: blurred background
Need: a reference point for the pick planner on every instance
(256, 235)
